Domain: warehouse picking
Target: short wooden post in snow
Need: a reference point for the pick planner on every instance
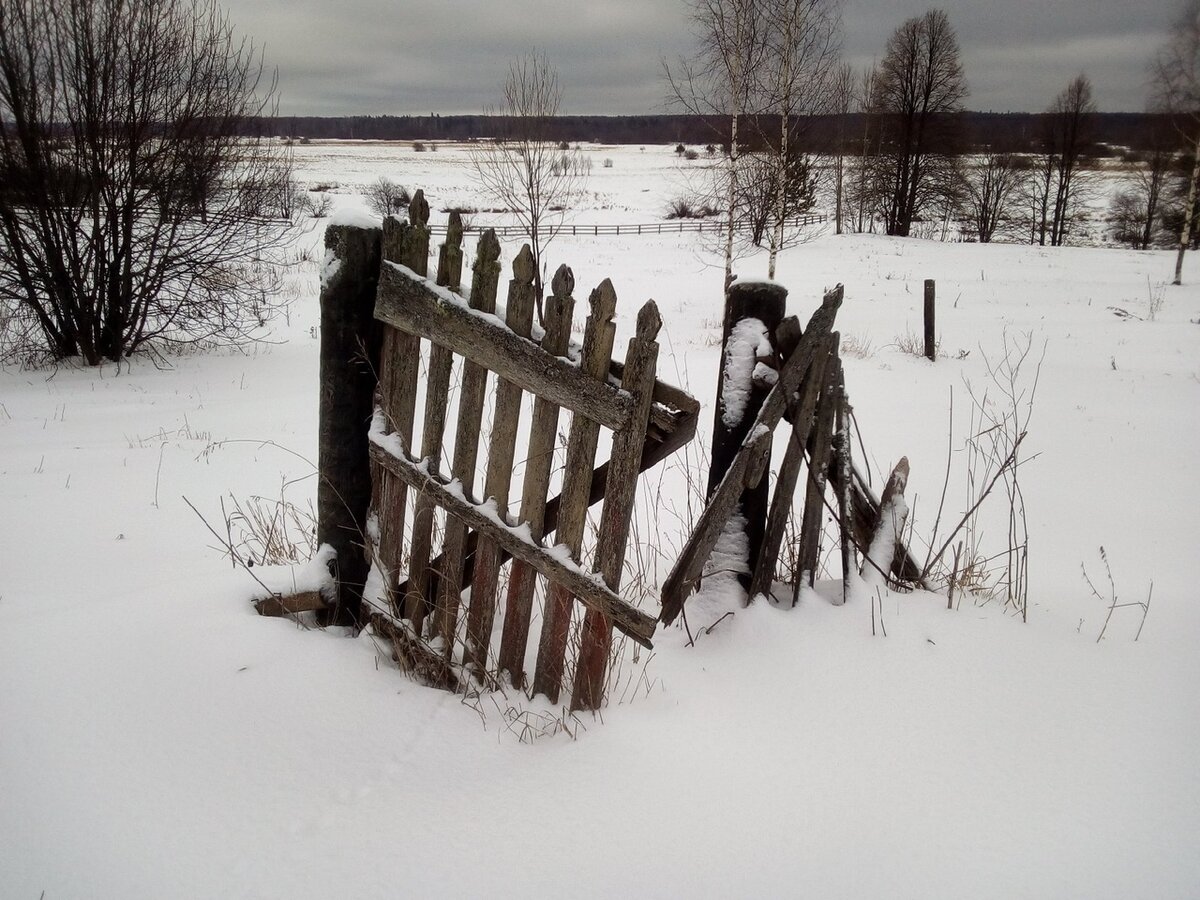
(753, 310)
(349, 361)
(930, 339)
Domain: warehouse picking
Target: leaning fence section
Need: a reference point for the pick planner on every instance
(442, 534)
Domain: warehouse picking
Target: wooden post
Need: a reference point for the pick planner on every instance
(349, 362)
(739, 398)
(930, 333)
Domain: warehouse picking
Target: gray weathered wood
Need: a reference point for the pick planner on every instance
(581, 453)
(501, 453)
(930, 328)
(820, 452)
(841, 483)
(765, 302)
(437, 399)
(641, 361)
(408, 303)
(625, 618)
(349, 362)
(747, 464)
(450, 564)
(543, 433)
(789, 472)
(450, 255)
(406, 243)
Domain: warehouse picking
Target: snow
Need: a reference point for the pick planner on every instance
(354, 217)
(747, 340)
(159, 739)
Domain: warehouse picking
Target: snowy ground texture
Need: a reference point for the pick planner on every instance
(159, 739)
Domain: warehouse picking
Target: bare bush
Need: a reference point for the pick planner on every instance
(134, 183)
(386, 198)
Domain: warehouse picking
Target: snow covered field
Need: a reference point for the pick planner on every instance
(159, 739)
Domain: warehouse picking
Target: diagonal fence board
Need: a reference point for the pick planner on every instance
(747, 466)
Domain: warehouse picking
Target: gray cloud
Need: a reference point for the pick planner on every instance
(420, 56)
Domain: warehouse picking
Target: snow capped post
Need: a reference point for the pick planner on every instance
(753, 311)
(349, 361)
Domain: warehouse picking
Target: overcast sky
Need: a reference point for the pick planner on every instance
(344, 57)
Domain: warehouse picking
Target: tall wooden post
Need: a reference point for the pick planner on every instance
(930, 331)
(753, 311)
(349, 362)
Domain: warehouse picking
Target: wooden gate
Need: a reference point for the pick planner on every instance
(436, 628)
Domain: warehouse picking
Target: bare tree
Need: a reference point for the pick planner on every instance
(863, 195)
(524, 169)
(721, 79)
(991, 188)
(842, 99)
(1177, 90)
(134, 194)
(802, 48)
(1067, 137)
(921, 86)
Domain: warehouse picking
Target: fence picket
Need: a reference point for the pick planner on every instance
(640, 365)
(543, 431)
(581, 454)
(466, 445)
(437, 397)
(406, 243)
(501, 452)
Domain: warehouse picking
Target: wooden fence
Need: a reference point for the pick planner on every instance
(677, 226)
(436, 628)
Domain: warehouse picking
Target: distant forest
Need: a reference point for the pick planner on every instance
(1002, 132)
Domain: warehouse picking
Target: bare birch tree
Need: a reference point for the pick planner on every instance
(802, 50)
(1177, 90)
(523, 169)
(721, 79)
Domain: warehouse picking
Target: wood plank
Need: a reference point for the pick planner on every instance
(501, 452)
(539, 460)
(417, 599)
(841, 484)
(820, 452)
(747, 464)
(625, 618)
(625, 462)
(581, 453)
(449, 566)
(789, 473)
(411, 304)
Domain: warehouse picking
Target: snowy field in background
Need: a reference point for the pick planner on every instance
(159, 739)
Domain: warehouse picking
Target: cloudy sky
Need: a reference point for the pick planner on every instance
(449, 56)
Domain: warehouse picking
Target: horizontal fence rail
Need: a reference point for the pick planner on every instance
(678, 226)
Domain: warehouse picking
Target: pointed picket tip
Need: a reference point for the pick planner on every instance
(488, 250)
(603, 301)
(418, 209)
(564, 282)
(523, 266)
(454, 229)
(649, 321)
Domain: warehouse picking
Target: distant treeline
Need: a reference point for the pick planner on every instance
(1010, 132)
